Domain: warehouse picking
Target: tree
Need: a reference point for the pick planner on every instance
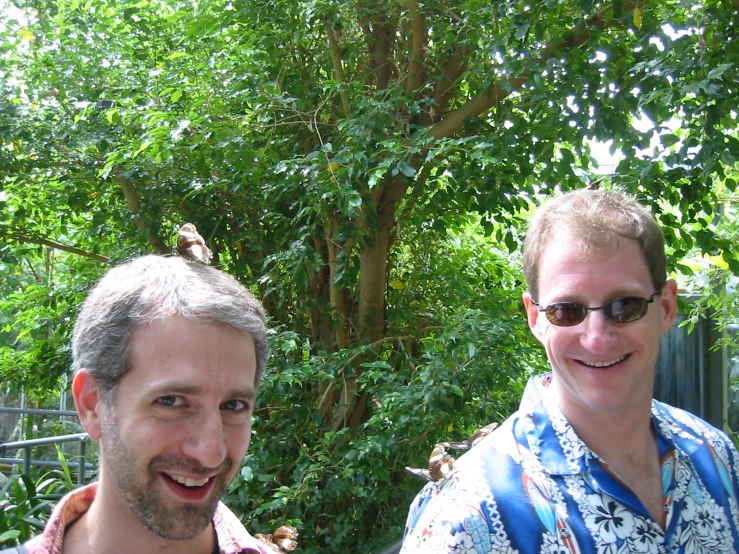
(329, 151)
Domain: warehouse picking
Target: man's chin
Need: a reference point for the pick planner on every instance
(176, 515)
(185, 523)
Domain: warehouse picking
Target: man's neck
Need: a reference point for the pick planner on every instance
(610, 434)
(626, 442)
(105, 530)
(616, 437)
(628, 445)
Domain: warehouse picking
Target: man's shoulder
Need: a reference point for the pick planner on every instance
(489, 468)
(68, 510)
(233, 538)
(20, 549)
(683, 418)
(681, 424)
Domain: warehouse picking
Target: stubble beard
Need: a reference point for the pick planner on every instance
(167, 520)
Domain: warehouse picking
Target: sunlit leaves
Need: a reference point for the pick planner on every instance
(121, 120)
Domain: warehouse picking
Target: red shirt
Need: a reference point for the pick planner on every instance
(233, 538)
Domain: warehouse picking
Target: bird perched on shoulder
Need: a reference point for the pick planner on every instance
(476, 437)
(191, 245)
(441, 465)
(285, 538)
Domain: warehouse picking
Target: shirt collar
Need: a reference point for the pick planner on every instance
(687, 433)
(233, 538)
(549, 436)
(556, 446)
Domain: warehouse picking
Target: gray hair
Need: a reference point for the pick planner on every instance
(153, 288)
(597, 219)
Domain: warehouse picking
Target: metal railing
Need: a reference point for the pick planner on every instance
(26, 445)
(27, 461)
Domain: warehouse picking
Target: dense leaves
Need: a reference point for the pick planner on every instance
(26, 504)
(367, 168)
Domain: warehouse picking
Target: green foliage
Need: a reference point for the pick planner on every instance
(461, 368)
(39, 302)
(712, 277)
(25, 504)
(367, 169)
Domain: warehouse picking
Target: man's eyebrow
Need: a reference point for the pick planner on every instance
(248, 393)
(173, 387)
(620, 292)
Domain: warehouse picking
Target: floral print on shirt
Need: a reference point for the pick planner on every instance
(533, 487)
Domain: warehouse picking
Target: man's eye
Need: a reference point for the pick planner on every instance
(234, 405)
(170, 401)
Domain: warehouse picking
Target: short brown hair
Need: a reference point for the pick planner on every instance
(598, 219)
(154, 288)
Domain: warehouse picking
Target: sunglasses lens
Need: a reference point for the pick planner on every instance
(624, 310)
(566, 314)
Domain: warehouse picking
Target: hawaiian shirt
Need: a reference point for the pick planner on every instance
(233, 538)
(533, 487)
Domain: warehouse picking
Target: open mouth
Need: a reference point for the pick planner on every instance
(604, 364)
(187, 488)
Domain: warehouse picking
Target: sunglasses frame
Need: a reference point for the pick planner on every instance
(559, 323)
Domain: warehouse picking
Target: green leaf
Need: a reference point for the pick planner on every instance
(355, 201)
(406, 169)
(12, 534)
(113, 116)
(668, 139)
(728, 158)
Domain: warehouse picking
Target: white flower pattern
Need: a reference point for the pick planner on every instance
(577, 505)
(607, 519)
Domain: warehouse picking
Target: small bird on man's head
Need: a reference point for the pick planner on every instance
(191, 245)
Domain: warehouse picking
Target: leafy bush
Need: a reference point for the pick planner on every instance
(350, 492)
(25, 504)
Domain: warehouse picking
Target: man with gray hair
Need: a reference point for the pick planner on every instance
(167, 358)
(590, 463)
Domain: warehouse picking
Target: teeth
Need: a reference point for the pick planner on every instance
(605, 364)
(188, 482)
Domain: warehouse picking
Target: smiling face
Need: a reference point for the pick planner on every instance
(179, 425)
(600, 366)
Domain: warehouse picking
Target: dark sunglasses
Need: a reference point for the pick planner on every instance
(620, 310)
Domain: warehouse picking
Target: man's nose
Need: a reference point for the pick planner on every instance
(206, 442)
(598, 332)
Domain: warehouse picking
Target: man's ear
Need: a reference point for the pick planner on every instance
(668, 303)
(532, 314)
(89, 401)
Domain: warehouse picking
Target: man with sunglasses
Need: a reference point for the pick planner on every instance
(590, 463)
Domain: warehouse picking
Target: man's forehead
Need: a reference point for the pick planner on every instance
(565, 258)
(190, 356)
(588, 242)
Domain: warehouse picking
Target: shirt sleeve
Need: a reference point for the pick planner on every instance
(449, 518)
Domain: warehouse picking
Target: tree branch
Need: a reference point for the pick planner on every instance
(25, 238)
(445, 87)
(418, 42)
(33, 164)
(477, 106)
(333, 47)
(142, 223)
(380, 41)
(483, 102)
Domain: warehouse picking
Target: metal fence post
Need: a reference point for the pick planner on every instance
(82, 463)
(27, 460)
